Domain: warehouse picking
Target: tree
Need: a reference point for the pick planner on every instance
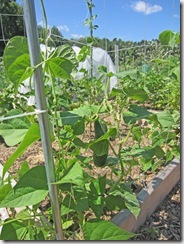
(55, 38)
(12, 23)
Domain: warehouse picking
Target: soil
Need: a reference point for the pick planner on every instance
(164, 224)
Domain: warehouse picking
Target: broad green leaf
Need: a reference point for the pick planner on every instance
(131, 73)
(13, 231)
(60, 67)
(30, 189)
(158, 138)
(98, 186)
(112, 132)
(137, 94)
(67, 224)
(12, 136)
(16, 47)
(83, 53)
(100, 148)
(101, 230)
(31, 136)
(74, 175)
(13, 130)
(68, 205)
(136, 113)
(67, 52)
(95, 195)
(4, 190)
(147, 152)
(16, 60)
(131, 202)
(78, 142)
(166, 36)
(23, 169)
(81, 199)
(18, 71)
(70, 118)
(24, 214)
(74, 120)
(112, 161)
(176, 71)
(165, 119)
(96, 203)
(85, 110)
(115, 202)
(137, 133)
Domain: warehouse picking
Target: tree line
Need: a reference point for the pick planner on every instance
(11, 14)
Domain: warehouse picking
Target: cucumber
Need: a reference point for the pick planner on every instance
(100, 129)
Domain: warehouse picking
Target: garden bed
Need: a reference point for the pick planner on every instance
(152, 188)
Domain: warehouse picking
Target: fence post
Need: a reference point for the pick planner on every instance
(35, 56)
(117, 58)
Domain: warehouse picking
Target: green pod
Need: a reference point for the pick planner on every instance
(100, 129)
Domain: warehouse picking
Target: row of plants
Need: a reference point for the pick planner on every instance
(74, 106)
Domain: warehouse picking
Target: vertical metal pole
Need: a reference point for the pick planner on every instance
(35, 56)
(117, 58)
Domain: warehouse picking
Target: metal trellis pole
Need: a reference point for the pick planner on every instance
(34, 50)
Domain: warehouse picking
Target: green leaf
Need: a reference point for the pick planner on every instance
(78, 142)
(67, 224)
(74, 120)
(136, 113)
(31, 136)
(11, 135)
(13, 130)
(83, 53)
(166, 36)
(137, 133)
(23, 169)
(177, 72)
(60, 67)
(100, 148)
(68, 205)
(131, 73)
(31, 189)
(101, 230)
(131, 202)
(74, 175)
(165, 119)
(96, 203)
(13, 231)
(95, 195)
(115, 202)
(137, 94)
(98, 186)
(81, 199)
(4, 190)
(67, 52)
(16, 60)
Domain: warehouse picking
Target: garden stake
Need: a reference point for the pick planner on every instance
(34, 50)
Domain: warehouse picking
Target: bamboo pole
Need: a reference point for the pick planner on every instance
(35, 56)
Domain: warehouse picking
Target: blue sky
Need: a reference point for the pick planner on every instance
(132, 20)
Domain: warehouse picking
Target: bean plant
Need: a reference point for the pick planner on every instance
(84, 197)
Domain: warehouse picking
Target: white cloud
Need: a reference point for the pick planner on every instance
(63, 28)
(76, 36)
(176, 16)
(146, 8)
